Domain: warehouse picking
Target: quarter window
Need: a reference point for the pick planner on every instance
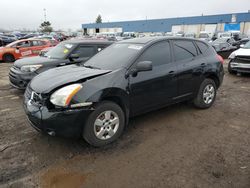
(158, 54)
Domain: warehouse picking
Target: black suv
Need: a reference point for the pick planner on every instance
(96, 99)
(65, 53)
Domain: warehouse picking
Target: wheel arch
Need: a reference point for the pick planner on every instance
(7, 53)
(215, 78)
(116, 95)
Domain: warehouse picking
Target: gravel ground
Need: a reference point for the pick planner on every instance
(178, 146)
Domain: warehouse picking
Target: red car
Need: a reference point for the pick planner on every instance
(23, 48)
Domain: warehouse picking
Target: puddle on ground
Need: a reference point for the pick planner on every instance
(63, 178)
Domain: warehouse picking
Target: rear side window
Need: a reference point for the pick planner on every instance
(184, 50)
(38, 43)
(85, 51)
(203, 47)
(159, 54)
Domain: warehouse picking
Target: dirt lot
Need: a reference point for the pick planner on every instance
(177, 146)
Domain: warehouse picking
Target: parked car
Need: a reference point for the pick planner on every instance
(13, 37)
(180, 34)
(190, 35)
(31, 35)
(223, 48)
(1, 42)
(22, 48)
(240, 60)
(65, 53)
(96, 99)
(169, 34)
(6, 40)
(241, 43)
(204, 36)
(48, 37)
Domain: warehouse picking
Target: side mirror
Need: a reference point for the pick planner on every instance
(72, 57)
(144, 66)
(140, 67)
(242, 45)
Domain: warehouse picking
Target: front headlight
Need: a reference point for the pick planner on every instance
(63, 96)
(30, 68)
(232, 55)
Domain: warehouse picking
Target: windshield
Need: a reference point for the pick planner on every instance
(115, 56)
(247, 45)
(60, 51)
(12, 45)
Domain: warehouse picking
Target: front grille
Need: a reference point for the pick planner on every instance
(242, 59)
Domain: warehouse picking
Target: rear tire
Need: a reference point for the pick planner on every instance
(104, 125)
(206, 95)
(8, 58)
(230, 71)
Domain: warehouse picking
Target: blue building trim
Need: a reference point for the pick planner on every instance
(165, 25)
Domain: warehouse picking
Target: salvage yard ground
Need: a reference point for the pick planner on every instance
(178, 146)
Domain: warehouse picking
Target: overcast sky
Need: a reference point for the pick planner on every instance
(65, 14)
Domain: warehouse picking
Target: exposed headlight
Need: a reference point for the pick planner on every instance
(232, 55)
(63, 96)
(30, 68)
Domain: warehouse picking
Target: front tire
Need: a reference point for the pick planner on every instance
(104, 125)
(206, 95)
(8, 58)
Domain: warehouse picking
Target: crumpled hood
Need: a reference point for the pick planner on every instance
(242, 52)
(53, 78)
(34, 61)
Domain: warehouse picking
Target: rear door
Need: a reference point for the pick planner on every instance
(190, 67)
(153, 89)
(37, 46)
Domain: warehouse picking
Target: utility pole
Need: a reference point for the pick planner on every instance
(44, 10)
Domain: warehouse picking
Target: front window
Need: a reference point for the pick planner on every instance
(61, 51)
(115, 56)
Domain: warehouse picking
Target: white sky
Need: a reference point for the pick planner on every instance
(65, 14)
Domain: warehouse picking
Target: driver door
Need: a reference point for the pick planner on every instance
(156, 88)
(23, 49)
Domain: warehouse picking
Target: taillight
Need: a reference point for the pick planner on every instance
(220, 59)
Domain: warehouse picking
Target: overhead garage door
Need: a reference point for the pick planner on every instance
(191, 29)
(247, 28)
(210, 28)
(176, 28)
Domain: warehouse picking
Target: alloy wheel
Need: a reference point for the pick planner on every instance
(106, 125)
(208, 94)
